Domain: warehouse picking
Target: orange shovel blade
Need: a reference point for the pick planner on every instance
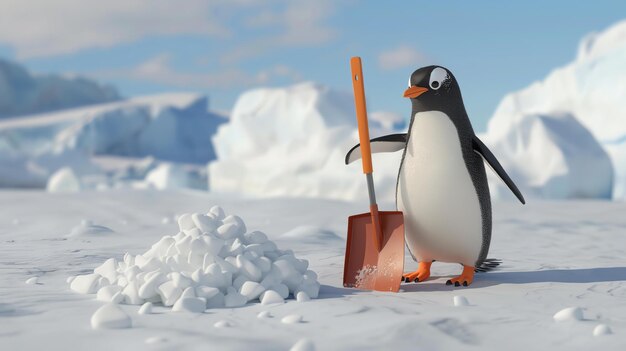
(365, 266)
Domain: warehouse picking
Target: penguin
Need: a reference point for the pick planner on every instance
(442, 186)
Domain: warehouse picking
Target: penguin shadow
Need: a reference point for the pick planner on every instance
(574, 275)
(482, 280)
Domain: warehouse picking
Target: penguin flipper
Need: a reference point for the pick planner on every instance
(386, 143)
(487, 155)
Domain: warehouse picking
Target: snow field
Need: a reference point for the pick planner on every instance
(212, 262)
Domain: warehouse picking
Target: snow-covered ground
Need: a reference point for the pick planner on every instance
(556, 255)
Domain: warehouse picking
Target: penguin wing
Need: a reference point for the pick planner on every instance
(387, 143)
(482, 149)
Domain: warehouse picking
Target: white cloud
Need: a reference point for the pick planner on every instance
(400, 57)
(43, 28)
(300, 23)
(159, 70)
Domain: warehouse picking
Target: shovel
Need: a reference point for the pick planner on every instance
(375, 246)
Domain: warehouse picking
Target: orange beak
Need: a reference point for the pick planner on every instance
(414, 91)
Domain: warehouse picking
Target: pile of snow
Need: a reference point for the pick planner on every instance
(551, 156)
(22, 93)
(212, 262)
(292, 142)
(173, 128)
(592, 88)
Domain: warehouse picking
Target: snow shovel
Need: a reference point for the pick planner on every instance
(375, 246)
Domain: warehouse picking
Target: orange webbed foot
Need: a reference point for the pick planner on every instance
(466, 278)
(422, 273)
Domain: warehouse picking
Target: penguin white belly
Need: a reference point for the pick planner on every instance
(441, 209)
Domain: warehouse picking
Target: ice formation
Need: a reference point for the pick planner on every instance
(212, 262)
(592, 88)
(166, 127)
(551, 156)
(292, 142)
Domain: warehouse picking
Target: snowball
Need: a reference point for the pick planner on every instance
(155, 340)
(85, 284)
(108, 269)
(303, 345)
(223, 324)
(169, 293)
(234, 299)
(249, 269)
(602, 329)
(207, 292)
(204, 223)
(460, 301)
(569, 314)
(32, 281)
(271, 297)
(255, 237)
(110, 316)
(149, 288)
(190, 304)
(146, 308)
(185, 222)
(251, 290)
(131, 294)
(302, 297)
(217, 212)
(106, 293)
(228, 230)
(292, 319)
(63, 181)
(217, 301)
(264, 314)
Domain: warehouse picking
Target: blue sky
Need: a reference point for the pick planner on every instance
(223, 47)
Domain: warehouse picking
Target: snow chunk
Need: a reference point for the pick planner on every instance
(110, 316)
(271, 297)
(569, 314)
(264, 314)
(85, 284)
(223, 324)
(190, 304)
(302, 297)
(146, 308)
(602, 329)
(63, 181)
(155, 340)
(303, 345)
(251, 290)
(87, 228)
(32, 281)
(292, 319)
(460, 301)
(210, 263)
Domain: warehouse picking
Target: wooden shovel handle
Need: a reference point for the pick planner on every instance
(361, 113)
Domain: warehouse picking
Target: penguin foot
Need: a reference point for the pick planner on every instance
(466, 278)
(422, 273)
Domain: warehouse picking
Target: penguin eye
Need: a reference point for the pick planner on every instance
(437, 77)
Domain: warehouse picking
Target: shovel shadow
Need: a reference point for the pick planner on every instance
(333, 292)
(583, 275)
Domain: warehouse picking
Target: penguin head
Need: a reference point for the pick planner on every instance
(433, 88)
